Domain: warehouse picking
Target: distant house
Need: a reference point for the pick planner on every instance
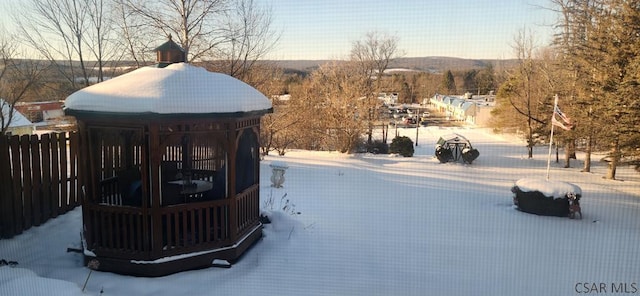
(19, 124)
(47, 115)
(388, 99)
(41, 111)
(283, 98)
(476, 111)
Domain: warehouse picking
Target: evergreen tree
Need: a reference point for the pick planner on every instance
(485, 80)
(611, 55)
(577, 62)
(469, 81)
(449, 83)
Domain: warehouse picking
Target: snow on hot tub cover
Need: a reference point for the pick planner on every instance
(555, 189)
(175, 89)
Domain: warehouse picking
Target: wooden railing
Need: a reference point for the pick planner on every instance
(248, 209)
(127, 232)
(119, 232)
(38, 179)
(195, 226)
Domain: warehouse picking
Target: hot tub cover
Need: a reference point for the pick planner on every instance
(549, 188)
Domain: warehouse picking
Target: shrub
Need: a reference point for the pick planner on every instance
(402, 145)
(378, 147)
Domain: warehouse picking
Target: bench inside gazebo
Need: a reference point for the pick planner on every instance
(170, 169)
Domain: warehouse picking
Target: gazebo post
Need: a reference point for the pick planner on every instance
(87, 180)
(156, 158)
(231, 180)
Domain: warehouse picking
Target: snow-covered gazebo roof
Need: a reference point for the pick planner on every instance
(179, 88)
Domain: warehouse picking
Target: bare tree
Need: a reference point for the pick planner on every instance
(374, 53)
(339, 105)
(328, 109)
(196, 23)
(136, 37)
(17, 78)
(54, 28)
(279, 130)
(100, 39)
(69, 33)
(524, 92)
(249, 36)
(371, 58)
(230, 36)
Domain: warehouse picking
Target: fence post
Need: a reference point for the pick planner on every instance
(45, 143)
(64, 181)
(27, 183)
(6, 194)
(36, 188)
(55, 175)
(74, 181)
(16, 182)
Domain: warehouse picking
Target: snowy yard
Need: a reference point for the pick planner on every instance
(385, 225)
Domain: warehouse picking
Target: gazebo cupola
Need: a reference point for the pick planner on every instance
(170, 53)
(170, 168)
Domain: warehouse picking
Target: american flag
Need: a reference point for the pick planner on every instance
(564, 118)
(567, 125)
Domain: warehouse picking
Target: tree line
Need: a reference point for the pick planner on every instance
(592, 65)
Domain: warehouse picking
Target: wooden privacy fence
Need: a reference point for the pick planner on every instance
(38, 179)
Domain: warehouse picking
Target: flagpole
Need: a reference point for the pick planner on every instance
(555, 105)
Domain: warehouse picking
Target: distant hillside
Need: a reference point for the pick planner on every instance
(303, 67)
(442, 64)
(299, 66)
(426, 64)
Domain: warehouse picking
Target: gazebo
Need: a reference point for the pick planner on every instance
(169, 167)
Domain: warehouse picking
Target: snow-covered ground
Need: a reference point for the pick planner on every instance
(385, 225)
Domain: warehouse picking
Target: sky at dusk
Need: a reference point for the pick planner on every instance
(478, 29)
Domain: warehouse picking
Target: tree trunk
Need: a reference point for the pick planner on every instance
(385, 133)
(587, 155)
(530, 143)
(615, 157)
(569, 153)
